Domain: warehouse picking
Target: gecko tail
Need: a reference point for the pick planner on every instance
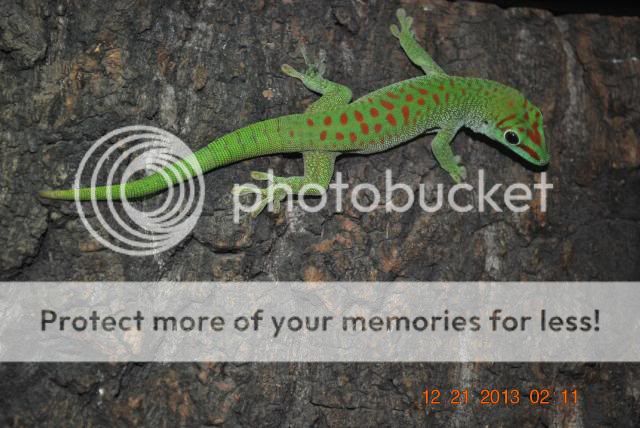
(66, 195)
(244, 143)
(172, 174)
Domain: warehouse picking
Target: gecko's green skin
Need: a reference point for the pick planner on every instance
(378, 121)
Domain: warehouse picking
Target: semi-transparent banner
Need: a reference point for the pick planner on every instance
(338, 321)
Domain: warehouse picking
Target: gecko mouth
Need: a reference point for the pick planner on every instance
(540, 159)
(538, 155)
(544, 159)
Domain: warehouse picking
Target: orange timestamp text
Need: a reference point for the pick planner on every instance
(437, 397)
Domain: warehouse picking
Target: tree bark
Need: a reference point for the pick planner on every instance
(73, 71)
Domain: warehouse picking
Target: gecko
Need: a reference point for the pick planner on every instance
(333, 125)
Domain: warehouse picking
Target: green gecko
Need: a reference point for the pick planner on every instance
(385, 118)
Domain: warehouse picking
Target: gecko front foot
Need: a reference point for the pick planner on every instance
(459, 174)
(457, 171)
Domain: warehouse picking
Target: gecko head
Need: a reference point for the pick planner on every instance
(517, 124)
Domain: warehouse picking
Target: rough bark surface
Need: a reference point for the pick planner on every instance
(72, 71)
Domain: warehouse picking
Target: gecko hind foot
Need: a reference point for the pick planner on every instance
(261, 176)
(405, 24)
(315, 69)
(273, 194)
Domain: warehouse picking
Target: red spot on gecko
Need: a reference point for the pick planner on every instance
(526, 116)
(358, 116)
(309, 122)
(421, 101)
(535, 135)
(436, 98)
(524, 105)
(391, 119)
(499, 124)
(323, 135)
(365, 128)
(423, 91)
(446, 97)
(353, 137)
(452, 83)
(529, 150)
(370, 100)
(510, 103)
(441, 87)
(537, 114)
(386, 104)
(339, 136)
(291, 133)
(409, 98)
(392, 95)
(374, 112)
(343, 118)
(405, 114)
(463, 92)
(327, 120)
(378, 128)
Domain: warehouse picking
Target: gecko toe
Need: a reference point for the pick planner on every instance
(261, 176)
(259, 208)
(290, 71)
(245, 190)
(463, 172)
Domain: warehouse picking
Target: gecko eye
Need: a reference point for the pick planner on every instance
(511, 137)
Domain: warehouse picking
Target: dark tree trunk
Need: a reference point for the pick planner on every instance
(71, 72)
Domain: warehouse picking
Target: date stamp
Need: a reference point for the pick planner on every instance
(440, 398)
